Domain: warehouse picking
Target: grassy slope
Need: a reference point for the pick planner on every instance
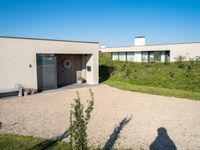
(154, 90)
(17, 142)
(169, 79)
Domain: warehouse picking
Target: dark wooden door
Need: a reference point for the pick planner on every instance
(68, 65)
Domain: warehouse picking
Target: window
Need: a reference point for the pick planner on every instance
(167, 56)
(163, 56)
(115, 56)
(130, 56)
(151, 57)
(122, 56)
(144, 56)
(157, 56)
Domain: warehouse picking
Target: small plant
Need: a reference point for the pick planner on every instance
(180, 60)
(78, 123)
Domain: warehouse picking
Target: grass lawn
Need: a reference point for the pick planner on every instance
(178, 79)
(154, 90)
(18, 142)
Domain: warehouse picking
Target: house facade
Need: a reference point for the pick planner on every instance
(141, 52)
(46, 64)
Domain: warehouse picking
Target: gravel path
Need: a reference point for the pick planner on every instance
(120, 118)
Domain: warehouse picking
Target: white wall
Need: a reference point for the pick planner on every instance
(16, 55)
(139, 41)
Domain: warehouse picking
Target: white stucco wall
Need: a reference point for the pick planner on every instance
(16, 54)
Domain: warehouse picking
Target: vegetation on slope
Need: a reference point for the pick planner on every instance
(183, 77)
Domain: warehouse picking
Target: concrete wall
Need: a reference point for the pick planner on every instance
(188, 49)
(17, 54)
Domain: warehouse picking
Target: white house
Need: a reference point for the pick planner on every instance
(141, 52)
(45, 63)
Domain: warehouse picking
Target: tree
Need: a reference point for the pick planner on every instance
(78, 122)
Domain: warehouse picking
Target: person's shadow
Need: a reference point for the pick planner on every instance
(162, 141)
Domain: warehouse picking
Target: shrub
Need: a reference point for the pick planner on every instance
(78, 123)
(180, 58)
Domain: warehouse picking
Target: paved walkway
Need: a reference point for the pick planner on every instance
(120, 118)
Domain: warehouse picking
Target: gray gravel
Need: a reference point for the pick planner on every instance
(120, 118)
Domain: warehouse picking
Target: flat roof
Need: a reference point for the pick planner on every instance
(153, 45)
(44, 39)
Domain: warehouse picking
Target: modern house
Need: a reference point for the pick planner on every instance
(141, 52)
(45, 63)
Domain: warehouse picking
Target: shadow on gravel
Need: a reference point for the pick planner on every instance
(50, 143)
(114, 136)
(162, 141)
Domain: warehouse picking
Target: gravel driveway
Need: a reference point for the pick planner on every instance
(120, 118)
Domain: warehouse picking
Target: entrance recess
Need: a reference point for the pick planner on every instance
(57, 70)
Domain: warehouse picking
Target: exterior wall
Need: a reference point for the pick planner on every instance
(17, 54)
(190, 50)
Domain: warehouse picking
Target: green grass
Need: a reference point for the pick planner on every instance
(17, 142)
(154, 90)
(170, 79)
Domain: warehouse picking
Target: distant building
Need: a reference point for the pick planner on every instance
(141, 52)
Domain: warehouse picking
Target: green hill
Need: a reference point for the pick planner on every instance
(182, 76)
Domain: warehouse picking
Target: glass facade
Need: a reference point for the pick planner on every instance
(130, 56)
(167, 56)
(157, 56)
(122, 56)
(115, 56)
(145, 56)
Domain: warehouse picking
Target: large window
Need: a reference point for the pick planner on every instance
(167, 56)
(163, 56)
(115, 56)
(151, 57)
(157, 56)
(130, 56)
(122, 56)
(145, 57)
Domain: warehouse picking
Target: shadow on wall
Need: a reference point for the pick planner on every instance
(104, 73)
(115, 134)
(162, 141)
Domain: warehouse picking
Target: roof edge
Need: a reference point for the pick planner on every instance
(154, 45)
(44, 39)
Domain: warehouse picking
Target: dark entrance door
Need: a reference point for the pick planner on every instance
(46, 71)
(68, 66)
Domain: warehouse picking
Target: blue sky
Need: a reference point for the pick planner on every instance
(110, 22)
